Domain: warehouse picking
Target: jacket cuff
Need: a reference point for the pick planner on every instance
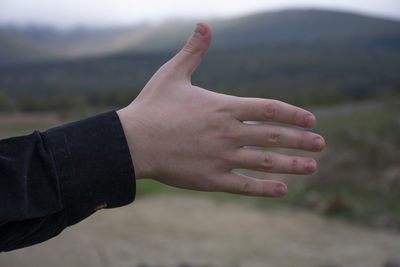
(93, 164)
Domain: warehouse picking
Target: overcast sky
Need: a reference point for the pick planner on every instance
(70, 13)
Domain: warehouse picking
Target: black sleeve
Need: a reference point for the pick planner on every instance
(53, 179)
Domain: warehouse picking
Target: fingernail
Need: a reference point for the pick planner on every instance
(310, 166)
(280, 190)
(318, 144)
(309, 120)
(200, 30)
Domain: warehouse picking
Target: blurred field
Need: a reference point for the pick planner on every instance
(21, 123)
(14, 124)
(359, 172)
(347, 214)
(188, 231)
(343, 66)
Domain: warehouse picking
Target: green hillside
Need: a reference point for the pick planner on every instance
(267, 28)
(39, 43)
(17, 48)
(284, 27)
(296, 55)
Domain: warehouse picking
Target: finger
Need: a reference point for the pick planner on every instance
(187, 60)
(237, 183)
(277, 136)
(257, 109)
(266, 161)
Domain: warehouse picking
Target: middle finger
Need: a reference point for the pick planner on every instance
(277, 136)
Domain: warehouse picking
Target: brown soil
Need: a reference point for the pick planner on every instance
(170, 230)
(33, 118)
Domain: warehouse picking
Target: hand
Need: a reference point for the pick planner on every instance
(189, 137)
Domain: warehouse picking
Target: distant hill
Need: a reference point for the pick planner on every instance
(16, 48)
(285, 53)
(267, 28)
(284, 27)
(40, 43)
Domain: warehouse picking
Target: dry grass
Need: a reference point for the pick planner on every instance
(13, 124)
(166, 230)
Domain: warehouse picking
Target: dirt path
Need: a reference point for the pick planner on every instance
(170, 230)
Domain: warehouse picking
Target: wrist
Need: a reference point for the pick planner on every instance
(134, 135)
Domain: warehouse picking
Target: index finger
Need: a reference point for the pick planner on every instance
(257, 109)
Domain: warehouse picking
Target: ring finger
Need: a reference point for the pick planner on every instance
(266, 161)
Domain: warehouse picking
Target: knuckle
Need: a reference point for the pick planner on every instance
(296, 115)
(230, 132)
(224, 105)
(245, 188)
(267, 162)
(294, 166)
(275, 137)
(227, 158)
(269, 109)
(190, 48)
(300, 140)
(167, 70)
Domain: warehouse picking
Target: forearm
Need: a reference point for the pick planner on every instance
(57, 178)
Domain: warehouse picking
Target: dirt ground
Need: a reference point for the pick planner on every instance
(170, 230)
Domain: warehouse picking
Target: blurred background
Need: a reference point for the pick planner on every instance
(65, 60)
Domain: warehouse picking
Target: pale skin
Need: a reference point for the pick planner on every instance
(188, 137)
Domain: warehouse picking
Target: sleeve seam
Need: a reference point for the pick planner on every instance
(58, 169)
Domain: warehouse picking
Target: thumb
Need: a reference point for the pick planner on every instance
(187, 60)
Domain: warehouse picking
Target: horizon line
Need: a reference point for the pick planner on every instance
(88, 26)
